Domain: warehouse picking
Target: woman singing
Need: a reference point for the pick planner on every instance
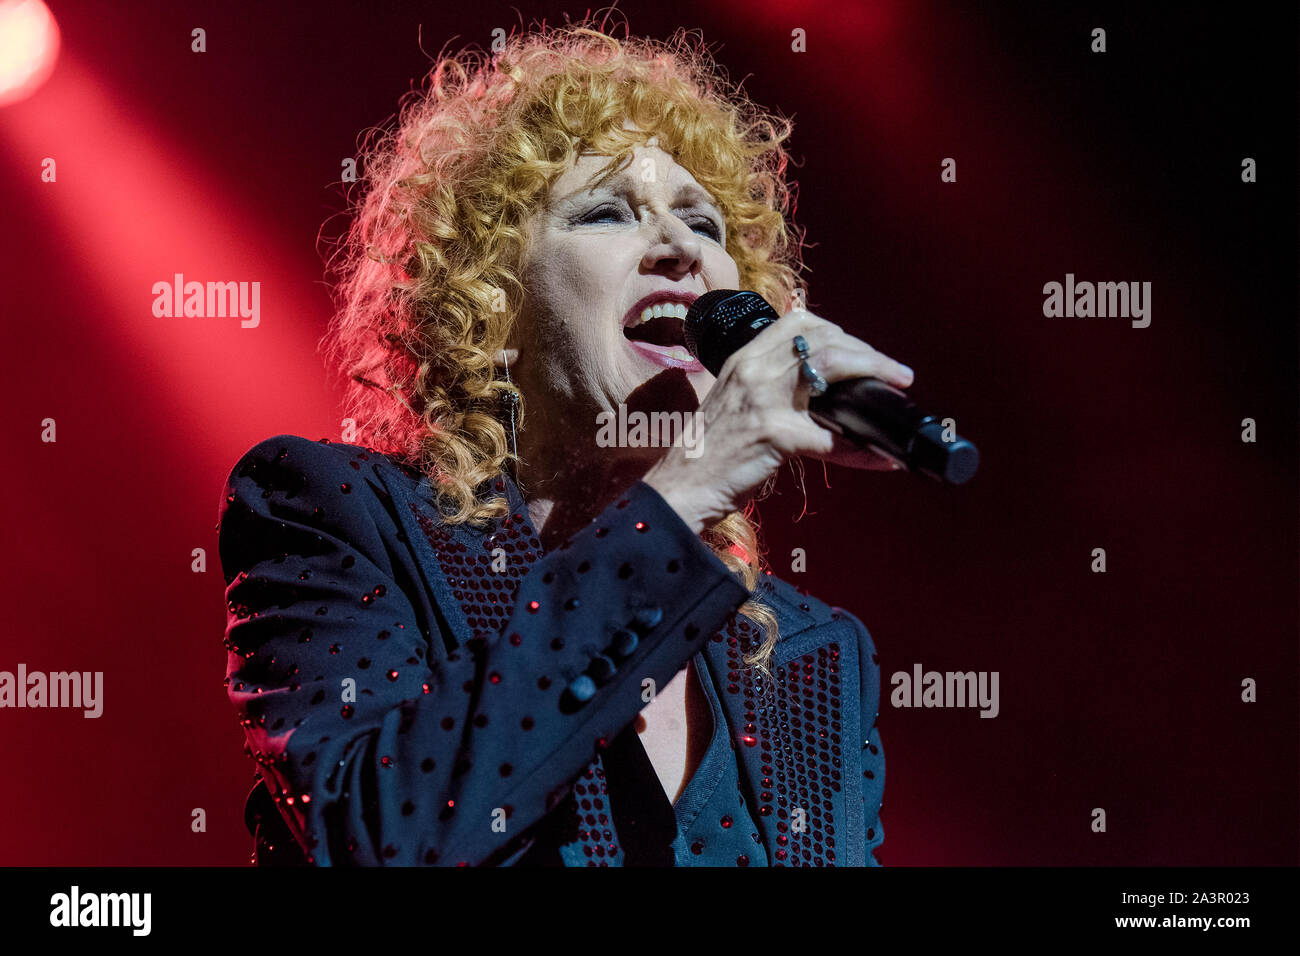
(487, 635)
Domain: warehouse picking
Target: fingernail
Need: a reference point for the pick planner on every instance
(910, 373)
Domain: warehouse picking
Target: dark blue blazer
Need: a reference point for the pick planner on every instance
(418, 693)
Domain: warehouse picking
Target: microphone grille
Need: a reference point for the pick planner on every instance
(720, 322)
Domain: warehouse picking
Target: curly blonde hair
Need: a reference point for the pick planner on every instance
(428, 286)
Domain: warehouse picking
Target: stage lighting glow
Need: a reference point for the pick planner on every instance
(29, 45)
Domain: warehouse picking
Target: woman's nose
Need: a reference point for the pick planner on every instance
(676, 250)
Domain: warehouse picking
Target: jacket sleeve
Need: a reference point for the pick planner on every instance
(382, 748)
(873, 751)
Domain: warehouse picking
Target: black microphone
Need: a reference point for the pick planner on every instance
(866, 411)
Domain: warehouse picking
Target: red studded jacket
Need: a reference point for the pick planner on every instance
(418, 693)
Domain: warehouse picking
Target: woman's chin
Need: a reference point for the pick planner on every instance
(665, 390)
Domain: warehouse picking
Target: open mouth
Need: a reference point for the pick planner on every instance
(655, 328)
(662, 324)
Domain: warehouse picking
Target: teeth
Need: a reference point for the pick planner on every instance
(664, 308)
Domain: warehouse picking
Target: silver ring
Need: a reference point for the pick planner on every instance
(816, 384)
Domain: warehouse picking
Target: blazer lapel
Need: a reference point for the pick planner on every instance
(475, 588)
(795, 735)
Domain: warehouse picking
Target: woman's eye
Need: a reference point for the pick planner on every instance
(609, 213)
(605, 214)
(709, 227)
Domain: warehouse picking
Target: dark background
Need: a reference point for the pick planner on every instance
(1118, 690)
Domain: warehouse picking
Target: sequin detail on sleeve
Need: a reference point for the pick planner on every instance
(487, 597)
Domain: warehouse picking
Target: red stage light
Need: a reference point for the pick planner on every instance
(29, 45)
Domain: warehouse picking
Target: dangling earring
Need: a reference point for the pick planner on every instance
(511, 401)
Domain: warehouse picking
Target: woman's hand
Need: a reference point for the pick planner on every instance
(756, 416)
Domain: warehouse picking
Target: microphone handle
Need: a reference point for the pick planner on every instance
(896, 429)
